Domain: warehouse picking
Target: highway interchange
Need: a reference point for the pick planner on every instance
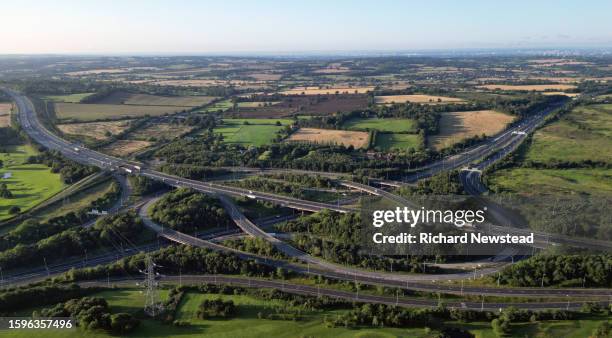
(494, 148)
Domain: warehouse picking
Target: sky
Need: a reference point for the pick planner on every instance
(269, 26)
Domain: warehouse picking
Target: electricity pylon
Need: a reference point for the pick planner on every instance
(153, 305)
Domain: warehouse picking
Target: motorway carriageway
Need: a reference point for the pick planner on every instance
(340, 294)
(410, 282)
(32, 126)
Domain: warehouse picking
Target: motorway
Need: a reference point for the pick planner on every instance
(471, 180)
(32, 126)
(106, 256)
(511, 136)
(30, 123)
(420, 282)
(346, 295)
(507, 140)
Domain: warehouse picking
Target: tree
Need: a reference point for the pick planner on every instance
(4, 192)
(211, 308)
(123, 323)
(142, 185)
(14, 210)
(187, 210)
(500, 326)
(281, 273)
(602, 331)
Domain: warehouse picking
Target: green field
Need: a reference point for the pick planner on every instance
(397, 141)
(386, 125)
(258, 131)
(560, 181)
(70, 98)
(247, 323)
(566, 329)
(215, 107)
(583, 134)
(255, 104)
(90, 112)
(74, 202)
(30, 184)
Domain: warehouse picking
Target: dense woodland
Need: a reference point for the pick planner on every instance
(588, 270)
(142, 185)
(117, 230)
(189, 211)
(177, 258)
(336, 237)
(8, 137)
(256, 245)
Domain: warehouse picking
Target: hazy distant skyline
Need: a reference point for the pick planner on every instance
(63, 26)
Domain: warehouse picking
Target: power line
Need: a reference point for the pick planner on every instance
(153, 306)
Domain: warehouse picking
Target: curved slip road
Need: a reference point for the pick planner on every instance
(31, 124)
(410, 282)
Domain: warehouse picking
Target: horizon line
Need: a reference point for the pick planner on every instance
(351, 52)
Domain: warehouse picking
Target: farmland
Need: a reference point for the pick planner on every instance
(242, 84)
(5, 117)
(155, 100)
(538, 88)
(160, 131)
(357, 139)
(91, 112)
(326, 90)
(255, 104)
(265, 76)
(218, 106)
(456, 126)
(584, 134)
(30, 184)
(69, 98)
(97, 71)
(125, 147)
(416, 98)
(250, 131)
(95, 130)
(561, 93)
(305, 105)
(387, 125)
(339, 70)
(331, 104)
(386, 142)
